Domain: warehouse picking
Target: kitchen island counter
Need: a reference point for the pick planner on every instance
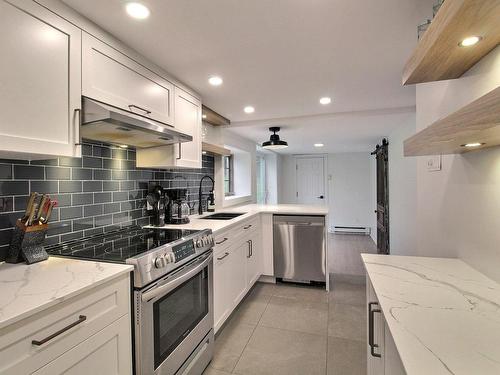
(443, 315)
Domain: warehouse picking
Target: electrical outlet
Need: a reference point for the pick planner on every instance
(434, 163)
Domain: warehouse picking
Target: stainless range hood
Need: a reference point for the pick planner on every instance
(104, 123)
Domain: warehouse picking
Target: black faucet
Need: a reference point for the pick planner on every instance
(210, 194)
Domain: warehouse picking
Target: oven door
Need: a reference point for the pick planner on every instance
(173, 316)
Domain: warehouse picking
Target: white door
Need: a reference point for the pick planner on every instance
(40, 87)
(310, 180)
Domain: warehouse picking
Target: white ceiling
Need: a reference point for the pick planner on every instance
(279, 56)
(339, 132)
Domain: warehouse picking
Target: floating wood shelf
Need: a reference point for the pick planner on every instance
(214, 149)
(214, 118)
(438, 55)
(478, 122)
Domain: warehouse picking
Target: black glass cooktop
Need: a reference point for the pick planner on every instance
(118, 246)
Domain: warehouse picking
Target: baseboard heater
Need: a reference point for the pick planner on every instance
(352, 230)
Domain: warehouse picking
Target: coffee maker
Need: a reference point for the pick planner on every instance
(177, 208)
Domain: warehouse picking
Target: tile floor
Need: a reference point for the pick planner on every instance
(289, 329)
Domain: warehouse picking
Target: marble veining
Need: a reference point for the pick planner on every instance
(444, 315)
(27, 289)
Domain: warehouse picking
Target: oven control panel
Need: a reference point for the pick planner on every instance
(183, 250)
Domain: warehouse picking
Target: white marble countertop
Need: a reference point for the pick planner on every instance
(444, 315)
(250, 210)
(28, 289)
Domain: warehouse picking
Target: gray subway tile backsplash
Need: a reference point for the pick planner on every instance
(97, 193)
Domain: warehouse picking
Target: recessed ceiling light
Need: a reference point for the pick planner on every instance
(123, 146)
(318, 145)
(215, 81)
(249, 109)
(470, 41)
(325, 100)
(137, 10)
(203, 152)
(203, 116)
(473, 144)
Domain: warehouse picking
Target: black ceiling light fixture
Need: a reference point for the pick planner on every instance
(274, 143)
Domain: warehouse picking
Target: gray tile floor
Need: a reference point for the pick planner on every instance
(288, 329)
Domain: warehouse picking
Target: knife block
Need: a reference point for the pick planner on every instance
(27, 243)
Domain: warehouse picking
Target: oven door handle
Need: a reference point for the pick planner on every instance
(176, 280)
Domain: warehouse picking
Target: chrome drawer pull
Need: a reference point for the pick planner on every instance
(140, 108)
(81, 319)
(224, 240)
(248, 226)
(222, 257)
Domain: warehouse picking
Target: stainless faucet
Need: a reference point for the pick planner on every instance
(210, 194)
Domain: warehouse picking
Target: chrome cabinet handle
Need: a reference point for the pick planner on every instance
(180, 151)
(224, 240)
(248, 226)
(249, 242)
(139, 108)
(371, 329)
(80, 320)
(78, 139)
(222, 257)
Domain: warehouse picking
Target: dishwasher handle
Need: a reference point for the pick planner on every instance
(299, 220)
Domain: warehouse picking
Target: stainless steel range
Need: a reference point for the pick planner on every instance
(173, 293)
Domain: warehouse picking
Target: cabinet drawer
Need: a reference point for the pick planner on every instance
(107, 352)
(100, 307)
(111, 77)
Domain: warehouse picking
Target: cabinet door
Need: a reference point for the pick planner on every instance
(236, 266)
(221, 278)
(40, 89)
(254, 259)
(376, 325)
(111, 77)
(107, 352)
(188, 121)
(184, 155)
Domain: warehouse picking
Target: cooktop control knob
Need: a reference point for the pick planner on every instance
(160, 262)
(199, 242)
(170, 257)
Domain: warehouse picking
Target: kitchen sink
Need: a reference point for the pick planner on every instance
(223, 216)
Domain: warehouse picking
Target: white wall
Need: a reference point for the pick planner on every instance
(458, 210)
(350, 189)
(402, 191)
(244, 169)
(287, 190)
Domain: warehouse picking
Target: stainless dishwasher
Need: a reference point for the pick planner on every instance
(299, 248)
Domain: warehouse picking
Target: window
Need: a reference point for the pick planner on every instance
(228, 175)
(261, 180)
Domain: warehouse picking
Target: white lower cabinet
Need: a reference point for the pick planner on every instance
(89, 333)
(237, 266)
(107, 352)
(40, 82)
(382, 354)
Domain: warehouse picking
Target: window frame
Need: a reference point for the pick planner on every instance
(230, 168)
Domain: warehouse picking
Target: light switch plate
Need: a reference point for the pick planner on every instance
(434, 163)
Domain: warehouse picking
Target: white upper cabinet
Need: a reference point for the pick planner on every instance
(40, 82)
(183, 155)
(188, 121)
(111, 77)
